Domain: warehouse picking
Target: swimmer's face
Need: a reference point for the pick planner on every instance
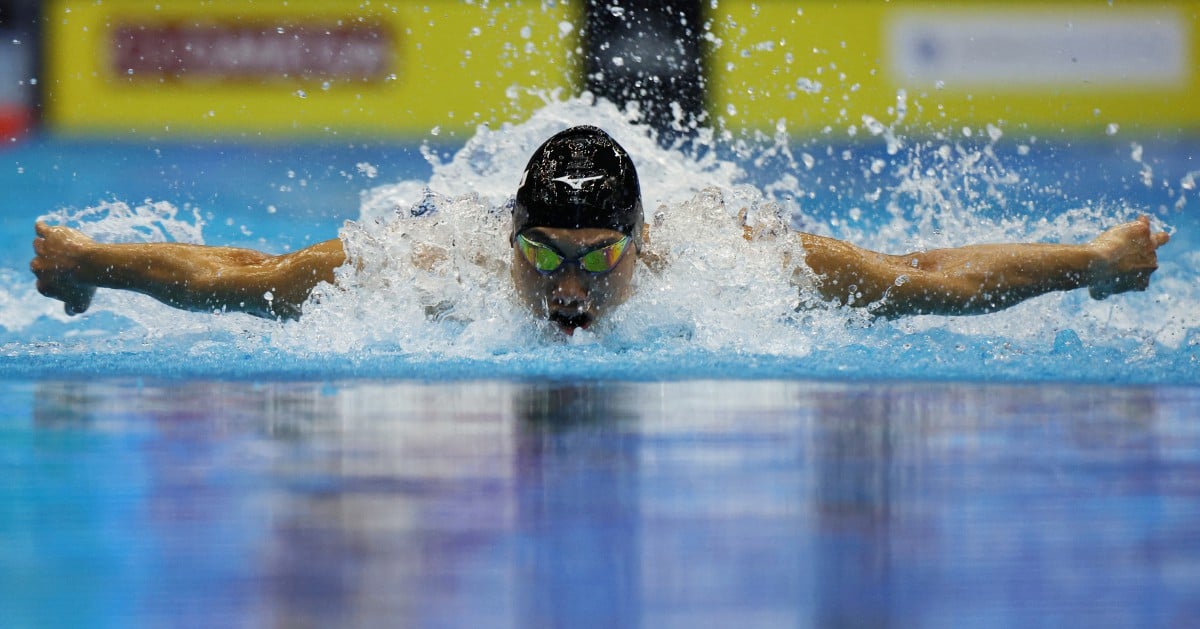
(571, 296)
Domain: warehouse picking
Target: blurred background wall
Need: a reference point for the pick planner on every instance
(406, 70)
(18, 70)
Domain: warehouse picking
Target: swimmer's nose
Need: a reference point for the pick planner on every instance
(569, 291)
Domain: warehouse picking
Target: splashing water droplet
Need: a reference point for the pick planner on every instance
(808, 86)
(1189, 181)
(368, 169)
(872, 125)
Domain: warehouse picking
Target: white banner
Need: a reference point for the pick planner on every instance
(1018, 49)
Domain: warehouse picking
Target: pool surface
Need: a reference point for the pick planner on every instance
(499, 504)
(686, 465)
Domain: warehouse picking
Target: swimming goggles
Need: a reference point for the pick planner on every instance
(547, 260)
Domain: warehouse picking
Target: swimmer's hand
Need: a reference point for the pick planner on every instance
(1125, 256)
(59, 261)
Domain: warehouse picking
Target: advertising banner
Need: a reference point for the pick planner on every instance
(850, 67)
(303, 67)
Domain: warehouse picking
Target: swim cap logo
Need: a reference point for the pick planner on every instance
(576, 183)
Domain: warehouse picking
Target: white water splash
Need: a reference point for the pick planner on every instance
(430, 279)
(432, 270)
(117, 221)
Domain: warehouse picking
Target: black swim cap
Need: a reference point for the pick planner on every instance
(580, 178)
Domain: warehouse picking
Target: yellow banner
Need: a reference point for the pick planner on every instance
(852, 68)
(303, 67)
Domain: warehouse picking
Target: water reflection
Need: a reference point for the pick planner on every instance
(853, 478)
(583, 525)
(610, 504)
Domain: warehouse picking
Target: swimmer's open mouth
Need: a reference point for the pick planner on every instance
(569, 322)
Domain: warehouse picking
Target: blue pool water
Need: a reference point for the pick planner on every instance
(683, 465)
(499, 504)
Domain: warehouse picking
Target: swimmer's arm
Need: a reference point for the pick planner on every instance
(982, 278)
(70, 266)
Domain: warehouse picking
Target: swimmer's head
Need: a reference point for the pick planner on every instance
(580, 178)
(577, 226)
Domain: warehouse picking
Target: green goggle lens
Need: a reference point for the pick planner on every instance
(547, 260)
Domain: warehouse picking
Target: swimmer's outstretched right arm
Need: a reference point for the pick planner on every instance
(978, 279)
(70, 267)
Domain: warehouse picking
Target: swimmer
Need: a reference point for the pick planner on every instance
(577, 234)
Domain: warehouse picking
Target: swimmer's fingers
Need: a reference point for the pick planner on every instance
(56, 263)
(59, 248)
(1136, 281)
(76, 298)
(78, 303)
(1160, 239)
(1126, 258)
(1153, 239)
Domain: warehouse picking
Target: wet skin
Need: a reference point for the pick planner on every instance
(571, 297)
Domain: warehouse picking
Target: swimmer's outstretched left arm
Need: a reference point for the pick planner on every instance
(982, 278)
(70, 267)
